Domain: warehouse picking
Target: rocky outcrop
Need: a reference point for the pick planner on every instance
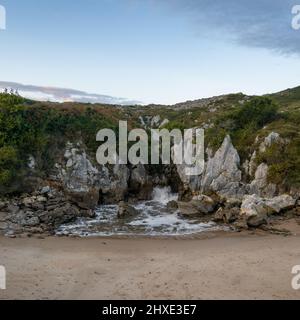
(140, 183)
(200, 205)
(126, 210)
(114, 187)
(256, 210)
(90, 184)
(79, 177)
(260, 185)
(41, 212)
(269, 140)
(222, 174)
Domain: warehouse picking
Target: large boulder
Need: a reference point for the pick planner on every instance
(222, 174)
(187, 208)
(200, 205)
(227, 215)
(280, 203)
(126, 210)
(256, 210)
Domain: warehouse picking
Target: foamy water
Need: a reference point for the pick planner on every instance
(153, 219)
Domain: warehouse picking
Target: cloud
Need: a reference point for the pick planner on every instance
(63, 95)
(253, 23)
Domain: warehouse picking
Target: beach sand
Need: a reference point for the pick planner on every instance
(214, 266)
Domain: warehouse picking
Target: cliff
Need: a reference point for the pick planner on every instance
(252, 157)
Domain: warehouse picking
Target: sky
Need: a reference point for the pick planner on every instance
(153, 51)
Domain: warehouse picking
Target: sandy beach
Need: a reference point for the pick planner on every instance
(214, 266)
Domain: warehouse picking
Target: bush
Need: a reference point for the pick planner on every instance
(256, 113)
(9, 164)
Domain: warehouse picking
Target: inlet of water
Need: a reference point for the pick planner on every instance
(153, 219)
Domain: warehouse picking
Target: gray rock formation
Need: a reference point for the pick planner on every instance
(79, 177)
(256, 210)
(200, 205)
(260, 185)
(140, 183)
(40, 213)
(222, 174)
(269, 140)
(126, 210)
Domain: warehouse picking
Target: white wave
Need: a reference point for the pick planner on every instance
(164, 195)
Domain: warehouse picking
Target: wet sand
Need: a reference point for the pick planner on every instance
(215, 266)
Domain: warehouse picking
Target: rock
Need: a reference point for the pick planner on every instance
(222, 174)
(84, 200)
(269, 140)
(3, 226)
(3, 216)
(140, 183)
(257, 209)
(155, 121)
(38, 214)
(280, 203)
(41, 199)
(233, 203)
(254, 205)
(257, 221)
(187, 208)
(164, 123)
(204, 204)
(27, 202)
(172, 205)
(227, 215)
(45, 190)
(241, 224)
(31, 163)
(260, 185)
(200, 205)
(126, 210)
(2, 204)
(13, 209)
(81, 177)
(30, 222)
(69, 163)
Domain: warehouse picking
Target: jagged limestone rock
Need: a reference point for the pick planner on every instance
(256, 210)
(269, 140)
(260, 185)
(222, 174)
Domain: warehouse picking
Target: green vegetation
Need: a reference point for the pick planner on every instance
(41, 130)
(38, 130)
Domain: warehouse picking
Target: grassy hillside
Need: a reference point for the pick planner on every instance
(41, 130)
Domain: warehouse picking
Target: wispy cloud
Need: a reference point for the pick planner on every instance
(63, 95)
(252, 23)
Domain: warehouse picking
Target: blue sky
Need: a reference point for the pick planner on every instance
(161, 51)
